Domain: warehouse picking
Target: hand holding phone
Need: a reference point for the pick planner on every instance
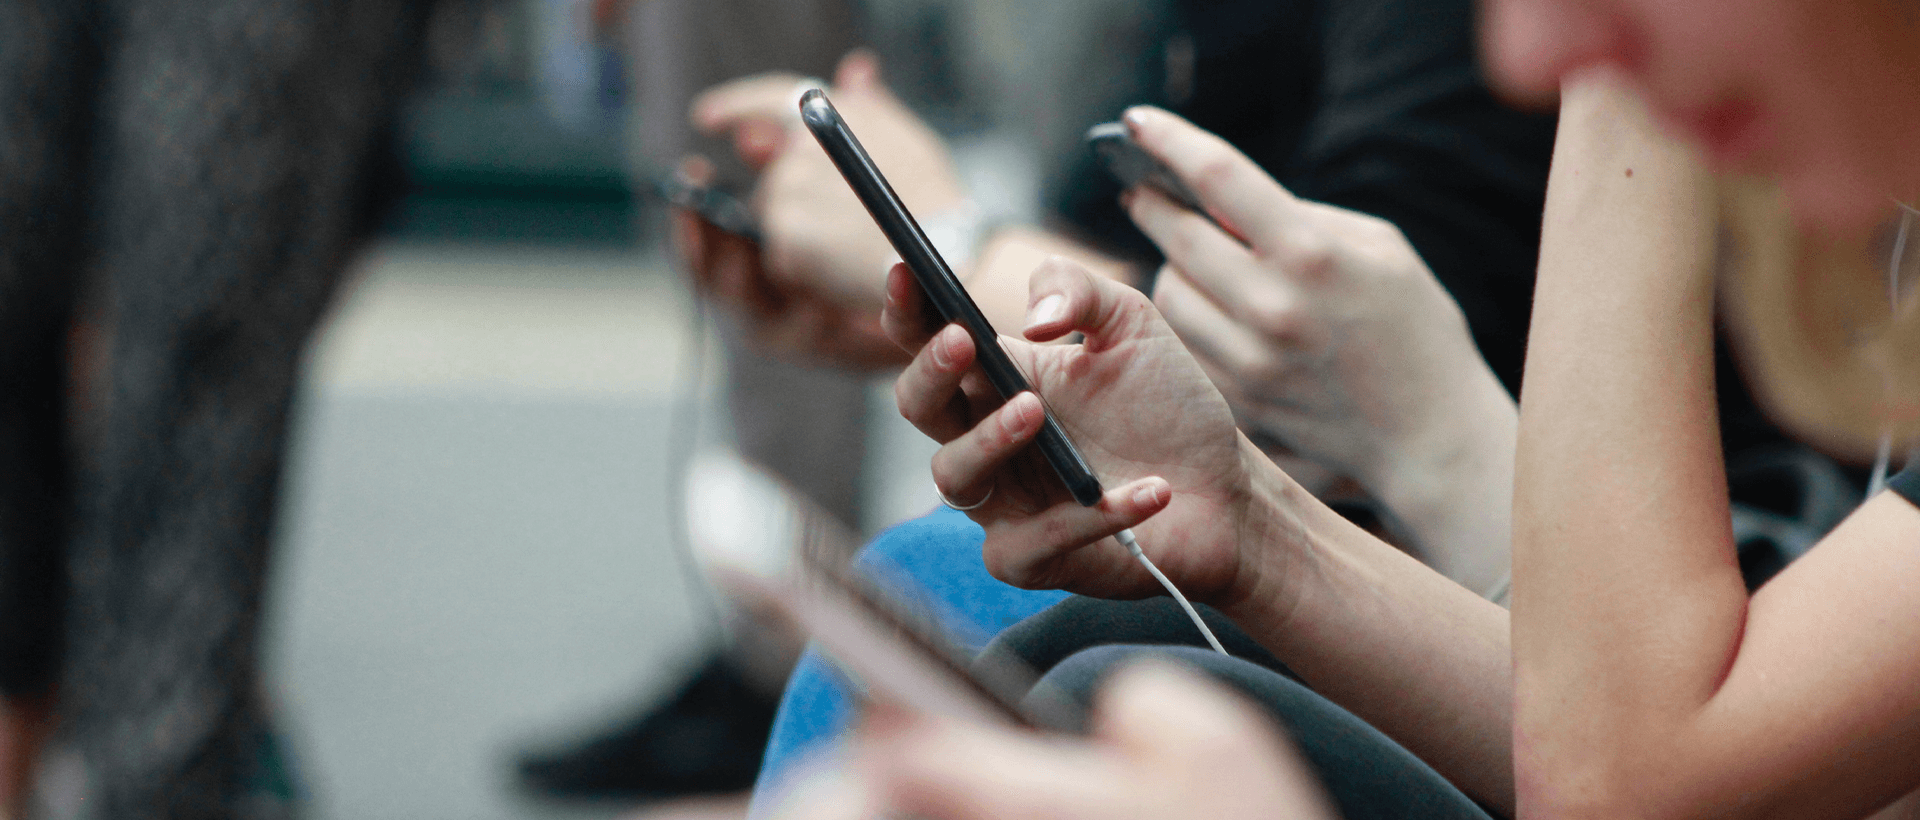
(942, 287)
(1132, 165)
(713, 204)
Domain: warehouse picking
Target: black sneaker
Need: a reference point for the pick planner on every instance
(706, 739)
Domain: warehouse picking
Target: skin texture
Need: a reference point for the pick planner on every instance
(1292, 330)
(1162, 743)
(1824, 94)
(813, 290)
(1648, 683)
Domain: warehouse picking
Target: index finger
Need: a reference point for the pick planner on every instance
(771, 96)
(907, 318)
(1237, 192)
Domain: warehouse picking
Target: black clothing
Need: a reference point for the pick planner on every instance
(1907, 484)
(1079, 641)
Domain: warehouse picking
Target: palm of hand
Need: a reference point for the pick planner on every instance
(1140, 406)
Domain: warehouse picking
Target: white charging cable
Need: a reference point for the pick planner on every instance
(1882, 460)
(1126, 539)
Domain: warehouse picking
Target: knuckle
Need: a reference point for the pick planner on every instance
(1311, 259)
(1274, 318)
(1005, 564)
(1262, 368)
(941, 465)
(906, 400)
(1131, 300)
(1213, 176)
(1006, 430)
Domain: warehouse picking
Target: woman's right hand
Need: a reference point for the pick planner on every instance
(1154, 429)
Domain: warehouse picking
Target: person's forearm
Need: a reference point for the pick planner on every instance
(1628, 602)
(1419, 656)
(1455, 491)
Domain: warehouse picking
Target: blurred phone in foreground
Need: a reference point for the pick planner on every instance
(890, 651)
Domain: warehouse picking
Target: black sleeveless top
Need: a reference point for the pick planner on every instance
(1907, 483)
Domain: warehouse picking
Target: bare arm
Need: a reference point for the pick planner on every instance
(1647, 685)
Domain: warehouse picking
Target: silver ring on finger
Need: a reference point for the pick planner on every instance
(951, 504)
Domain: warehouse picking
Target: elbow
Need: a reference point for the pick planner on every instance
(1619, 782)
(1559, 777)
(1555, 788)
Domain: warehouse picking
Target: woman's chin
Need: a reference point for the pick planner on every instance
(1840, 204)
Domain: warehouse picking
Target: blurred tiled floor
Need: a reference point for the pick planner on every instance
(474, 546)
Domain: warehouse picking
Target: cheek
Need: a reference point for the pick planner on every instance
(1851, 114)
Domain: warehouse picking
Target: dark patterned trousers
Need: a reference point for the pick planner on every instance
(181, 184)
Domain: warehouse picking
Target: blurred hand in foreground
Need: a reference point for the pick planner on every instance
(1164, 744)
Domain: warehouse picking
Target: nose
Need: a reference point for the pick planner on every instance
(1527, 46)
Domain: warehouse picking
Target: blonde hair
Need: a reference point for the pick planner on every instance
(1826, 326)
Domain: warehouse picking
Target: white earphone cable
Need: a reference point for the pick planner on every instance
(1126, 539)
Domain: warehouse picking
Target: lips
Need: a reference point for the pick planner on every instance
(1730, 131)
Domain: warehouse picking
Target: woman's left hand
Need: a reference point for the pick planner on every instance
(1164, 744)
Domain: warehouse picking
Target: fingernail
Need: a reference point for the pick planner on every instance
(1046, 310)
(1149, 495)
(1030, 411)
(1014, 421)
(1135, 117)
(942, 352)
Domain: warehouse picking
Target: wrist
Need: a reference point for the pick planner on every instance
(1469, 429)
(1280, 532)
(1452, 486)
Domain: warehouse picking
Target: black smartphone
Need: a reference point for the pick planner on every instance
(713, 204)
(937, 279)
(1132, 165)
